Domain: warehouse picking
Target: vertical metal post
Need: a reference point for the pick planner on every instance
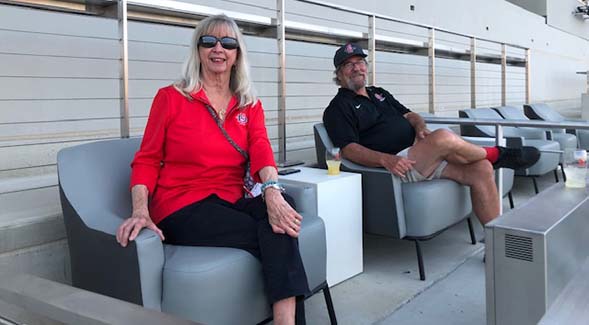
(503, 75)
(587, 90)
(499, 172)
(473, 72)
(432, 70)
(280, 38)
(372, 49)
(529, 80)
(124, 75)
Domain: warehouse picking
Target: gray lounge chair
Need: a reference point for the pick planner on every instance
(212, 285)
(565, 140)
(549, 156)
(544, 112)
(411, 211)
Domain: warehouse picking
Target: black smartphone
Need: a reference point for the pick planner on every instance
(288, 171)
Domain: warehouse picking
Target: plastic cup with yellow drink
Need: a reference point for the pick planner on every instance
(333, 160)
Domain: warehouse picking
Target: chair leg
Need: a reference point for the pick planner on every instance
(329, 303)
(555, 175)
(473, 238)
(564, 176)
(420, 261)
(510, 196)
(535, 184)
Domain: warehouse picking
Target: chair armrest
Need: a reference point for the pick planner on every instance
(583, 138)
(304, 197)
(515, 142)
(150, 256)
(99, 264)
(532, 133)
(382, 195)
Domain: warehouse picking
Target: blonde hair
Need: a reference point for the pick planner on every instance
(239, 83)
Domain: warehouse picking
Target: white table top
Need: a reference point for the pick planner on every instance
(315, 175)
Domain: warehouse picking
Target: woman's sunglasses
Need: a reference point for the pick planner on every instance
(208, 41)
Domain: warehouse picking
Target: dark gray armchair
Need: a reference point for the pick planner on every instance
(411, 211)
(549, 150)
(212, 285)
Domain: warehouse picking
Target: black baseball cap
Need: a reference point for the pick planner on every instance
(347, 51)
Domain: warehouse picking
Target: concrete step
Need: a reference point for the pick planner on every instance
(48, 261)
(32, 233)
(30, 214)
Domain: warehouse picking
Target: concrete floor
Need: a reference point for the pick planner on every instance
(389, 290)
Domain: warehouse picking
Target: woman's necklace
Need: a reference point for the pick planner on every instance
(221, 113)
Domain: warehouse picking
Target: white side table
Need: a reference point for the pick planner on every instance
(339, 204)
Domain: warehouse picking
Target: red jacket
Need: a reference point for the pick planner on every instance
(184, 157)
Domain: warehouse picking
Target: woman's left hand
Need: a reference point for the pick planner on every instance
(282, 217)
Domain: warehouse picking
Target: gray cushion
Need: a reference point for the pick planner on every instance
(218, 285)
(428, 211)
(213, 285)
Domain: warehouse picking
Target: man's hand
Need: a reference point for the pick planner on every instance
(421, 132)
(130, 228)
(282, 217)
(397, 165)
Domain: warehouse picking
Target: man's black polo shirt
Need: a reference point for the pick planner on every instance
(376, 123)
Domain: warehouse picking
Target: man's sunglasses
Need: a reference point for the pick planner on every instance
(208, 41)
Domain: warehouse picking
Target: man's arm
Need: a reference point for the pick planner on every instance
(418, 124)
(371, 158)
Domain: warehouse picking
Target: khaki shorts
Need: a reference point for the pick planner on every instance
(413, 175)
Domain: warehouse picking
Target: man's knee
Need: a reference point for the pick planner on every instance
(481, 170)
(444, 138)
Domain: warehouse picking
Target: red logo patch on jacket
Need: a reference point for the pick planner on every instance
(241, 118)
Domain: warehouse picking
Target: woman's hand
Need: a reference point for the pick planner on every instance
(282, 217)
(129, 229)
(140, 218)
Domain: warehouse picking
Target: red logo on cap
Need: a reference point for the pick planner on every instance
(349, 48)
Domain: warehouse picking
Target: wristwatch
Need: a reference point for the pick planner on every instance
(274, 185)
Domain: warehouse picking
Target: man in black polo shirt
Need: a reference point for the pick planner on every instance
(373, 129)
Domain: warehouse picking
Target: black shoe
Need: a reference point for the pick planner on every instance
(517, 158)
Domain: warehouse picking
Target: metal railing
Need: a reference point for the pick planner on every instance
(431, 45)
(286, 29)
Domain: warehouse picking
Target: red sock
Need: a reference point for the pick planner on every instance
(492, 154)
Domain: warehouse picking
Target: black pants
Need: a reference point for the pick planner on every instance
(215, 222)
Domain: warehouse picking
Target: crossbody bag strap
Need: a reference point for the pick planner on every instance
(219, 124)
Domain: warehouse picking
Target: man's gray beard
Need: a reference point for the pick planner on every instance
(355, 86)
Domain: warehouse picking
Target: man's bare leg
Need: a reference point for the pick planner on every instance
(466, 165)
(481, 179)
(443, 145)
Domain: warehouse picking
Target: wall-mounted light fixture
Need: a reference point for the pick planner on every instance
(582, 11)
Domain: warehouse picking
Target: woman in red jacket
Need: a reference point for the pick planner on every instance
(187, 180)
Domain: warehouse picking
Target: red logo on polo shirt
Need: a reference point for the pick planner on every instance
(241, 118)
